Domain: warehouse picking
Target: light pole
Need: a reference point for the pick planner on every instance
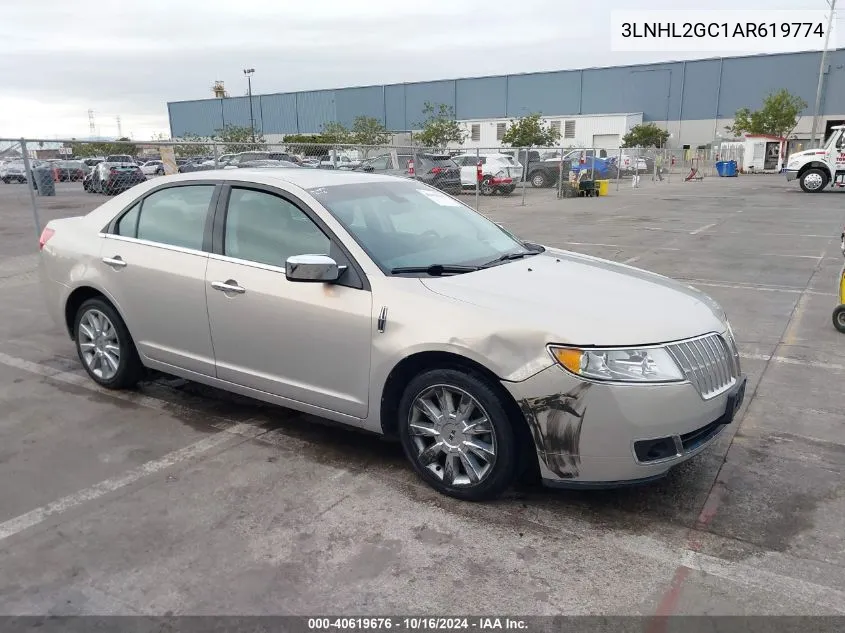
(248, 72)
(832, 4)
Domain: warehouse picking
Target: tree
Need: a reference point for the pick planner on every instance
(528, 131)
(334, 133)
(645, 135)
(193, 150)
(239, 139)
(82, 149)
(367, 130)
(439, 127)
(311, 144)
(778, 116)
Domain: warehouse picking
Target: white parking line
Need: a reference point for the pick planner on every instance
(39, 515)
(631, 260)
(794, 361)
(702, 228)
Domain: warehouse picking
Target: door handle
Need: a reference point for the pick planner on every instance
(228, 286)
(115, 261)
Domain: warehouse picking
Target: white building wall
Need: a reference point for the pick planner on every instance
(586, 127)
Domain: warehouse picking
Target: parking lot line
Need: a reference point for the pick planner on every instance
(703, 228)
(39, 515)
(794, 361)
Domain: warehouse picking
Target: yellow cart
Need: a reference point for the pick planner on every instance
(839, 312)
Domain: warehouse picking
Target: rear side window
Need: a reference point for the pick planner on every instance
(176, 216)
(437, 161)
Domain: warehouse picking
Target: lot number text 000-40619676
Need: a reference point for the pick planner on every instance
(719, 31)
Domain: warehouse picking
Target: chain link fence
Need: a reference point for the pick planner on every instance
(51, 167)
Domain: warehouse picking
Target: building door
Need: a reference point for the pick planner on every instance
(606, 141)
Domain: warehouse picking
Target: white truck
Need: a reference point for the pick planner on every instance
(815, 169)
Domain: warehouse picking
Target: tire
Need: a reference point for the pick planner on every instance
(817, 180)
(494, 473)
(506, 191)
(538, 179)
(6, 181)
(159, 172)
(839, 318)
(128, 369)
(486, 188)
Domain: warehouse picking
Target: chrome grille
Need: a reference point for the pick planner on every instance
(710, 363)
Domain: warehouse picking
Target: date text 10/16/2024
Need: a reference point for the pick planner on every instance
(481, 624)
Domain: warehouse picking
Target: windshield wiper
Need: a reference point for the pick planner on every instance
(434, 270)
(508, 257)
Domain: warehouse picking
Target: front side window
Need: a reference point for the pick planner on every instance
(176, 216)
(407, 224)
(267, 229)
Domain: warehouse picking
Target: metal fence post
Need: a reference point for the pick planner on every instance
(560, 176)
(30, 183)
(477, 184)
(524, 175)
(414, 160)
(214, 151)
(618, 168)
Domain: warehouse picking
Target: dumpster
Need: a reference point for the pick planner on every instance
(603, 186)
(43, 180)
(726, 168)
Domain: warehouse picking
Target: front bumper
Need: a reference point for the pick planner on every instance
(589, 434)
(791, 174)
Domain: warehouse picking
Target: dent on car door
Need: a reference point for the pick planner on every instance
(153, 265)
(308, 342)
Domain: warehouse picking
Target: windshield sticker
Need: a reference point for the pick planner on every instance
(440, 198)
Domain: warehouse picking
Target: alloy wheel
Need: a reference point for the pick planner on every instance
(99, 344)
(813, 181)
(453, 435)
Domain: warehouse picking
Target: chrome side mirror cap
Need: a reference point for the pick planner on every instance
(312, 268)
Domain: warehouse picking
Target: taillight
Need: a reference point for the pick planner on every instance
(46, 234)
(436, 170)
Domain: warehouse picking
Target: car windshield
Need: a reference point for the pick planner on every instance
(406, 224)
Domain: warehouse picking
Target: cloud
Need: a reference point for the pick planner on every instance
(130, 59)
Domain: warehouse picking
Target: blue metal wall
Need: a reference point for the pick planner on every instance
(692, 90)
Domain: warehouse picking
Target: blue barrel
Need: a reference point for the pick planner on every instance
(722, 167)
(730, 169)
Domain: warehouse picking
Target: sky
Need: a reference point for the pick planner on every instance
(58, 59)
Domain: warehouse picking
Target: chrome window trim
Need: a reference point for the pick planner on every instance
(169, 247)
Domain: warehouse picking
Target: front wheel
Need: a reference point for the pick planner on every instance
(839, 318)
(456, 432)
(813, 180)
(105, 347)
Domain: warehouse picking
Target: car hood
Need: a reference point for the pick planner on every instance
(585, 300)
(807, 153)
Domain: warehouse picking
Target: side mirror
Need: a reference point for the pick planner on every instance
(312, 268)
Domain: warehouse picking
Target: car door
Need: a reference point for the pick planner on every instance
(308, 342)
(153, 266)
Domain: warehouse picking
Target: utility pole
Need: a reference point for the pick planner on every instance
(832, 5)
(248, 72)
(119, 129)
(91, 125)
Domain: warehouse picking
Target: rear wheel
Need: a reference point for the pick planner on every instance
(508, 190)
(486, 188)
(839, 318)
(538, 179)
(105, 347)
(813, 180)
(456, 432)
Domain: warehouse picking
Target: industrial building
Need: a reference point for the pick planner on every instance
(694, 100)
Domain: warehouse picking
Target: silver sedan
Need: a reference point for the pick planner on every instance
(390, 306)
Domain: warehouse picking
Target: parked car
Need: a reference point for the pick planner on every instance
(113, 178)
(437, 170)
(244, 157)
(90, 162)
(14, 171)
(197, 163)
(153, 168)
(406, 313)
(500, 172)
(68, 170)
(124, 159)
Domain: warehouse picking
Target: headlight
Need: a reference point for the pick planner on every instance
(652, 364)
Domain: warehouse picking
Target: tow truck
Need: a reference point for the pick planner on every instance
(815, 169)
